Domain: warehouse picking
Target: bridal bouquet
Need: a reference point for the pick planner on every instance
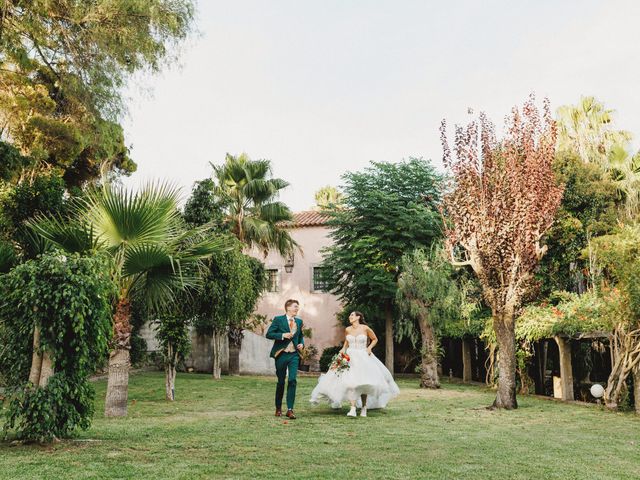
(340, 362)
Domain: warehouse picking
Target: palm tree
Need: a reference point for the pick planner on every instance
(153, 258)
(328, 197)
(587, 130)
(625, 172)
(249, 200)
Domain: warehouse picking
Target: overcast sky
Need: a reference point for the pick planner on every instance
(322, 87)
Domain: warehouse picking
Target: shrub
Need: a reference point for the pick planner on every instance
(69, 299)
(327, 354)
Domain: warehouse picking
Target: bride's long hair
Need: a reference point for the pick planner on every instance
(360, 317)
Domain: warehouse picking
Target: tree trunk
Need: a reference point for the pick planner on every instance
(119, 362)
(41, 363)
(429, 375)
(234, 359)
(505, 334)
(170, 382)
(466, 360)
(36, 359)
(388, 341)
(566, 370)
(47, 369)
(615, 386)
(217, 344)
(625, 350)
(636, 388)
(117, 384)
(170, 373)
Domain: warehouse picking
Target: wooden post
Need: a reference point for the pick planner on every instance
(466, 360)
(566, 371)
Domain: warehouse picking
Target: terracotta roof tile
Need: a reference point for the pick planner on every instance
(310, 218)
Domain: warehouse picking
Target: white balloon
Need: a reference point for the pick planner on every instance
(597, 390)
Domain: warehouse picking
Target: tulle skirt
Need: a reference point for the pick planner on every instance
(366, 375)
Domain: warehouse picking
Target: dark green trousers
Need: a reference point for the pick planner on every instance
(284, 361)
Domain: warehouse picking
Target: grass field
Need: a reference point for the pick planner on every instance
(226, 429)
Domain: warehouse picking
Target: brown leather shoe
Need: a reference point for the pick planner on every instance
(291, 415)
(278, 412)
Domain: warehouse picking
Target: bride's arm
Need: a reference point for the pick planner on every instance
(344, 346)
(373, 338)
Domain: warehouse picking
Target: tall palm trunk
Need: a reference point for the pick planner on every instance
(429, 375)
(503, 324)
(119, 362)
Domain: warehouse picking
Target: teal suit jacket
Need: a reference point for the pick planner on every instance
(278, 327)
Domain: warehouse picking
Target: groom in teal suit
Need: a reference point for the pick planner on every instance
(286, 330)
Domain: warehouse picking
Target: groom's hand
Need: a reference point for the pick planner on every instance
(288, 336)
(300, 346)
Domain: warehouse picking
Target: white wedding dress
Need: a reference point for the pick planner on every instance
(366, 375)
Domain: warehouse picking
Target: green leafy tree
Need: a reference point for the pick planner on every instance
(55, 324)
(618, 256)
(248, 195)
(64, 65)
(8, 256)
(203, 206)
(502, 203)
(429, 297)
(151, 249)
(389, 209)
(44, 195)
(589, 208)
(12, 163)
(228, 297)
(172, 332)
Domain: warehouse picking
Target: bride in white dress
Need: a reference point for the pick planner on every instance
(367, 383)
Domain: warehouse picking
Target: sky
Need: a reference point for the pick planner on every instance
(322, 87)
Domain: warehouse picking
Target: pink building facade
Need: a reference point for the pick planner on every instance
(318, 308)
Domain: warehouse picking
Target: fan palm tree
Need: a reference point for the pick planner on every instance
(625, 171)
(249, 200)
(328, 197)
(153, 258)
(587, 129)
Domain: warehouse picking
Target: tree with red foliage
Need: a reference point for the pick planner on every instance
(503, 199)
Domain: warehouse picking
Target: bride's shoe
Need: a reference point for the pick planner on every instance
(352, 412)
(363, 412)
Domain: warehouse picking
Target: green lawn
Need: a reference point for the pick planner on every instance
(226, 429)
